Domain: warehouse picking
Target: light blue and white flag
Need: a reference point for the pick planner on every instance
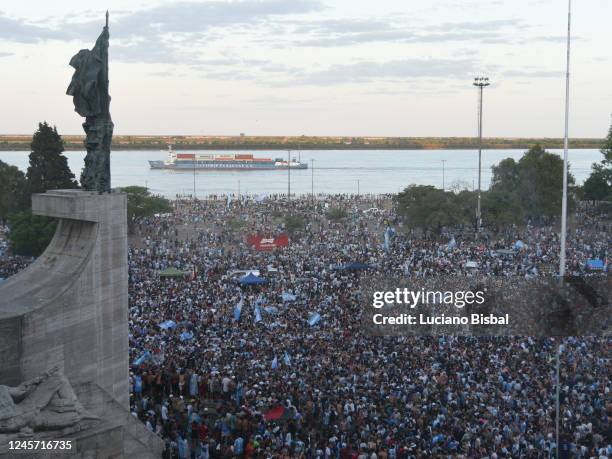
(451, 244)
(143, 358)
(287, 359)
(288, 296)
(257, 313)
(275, 363)
(238, 310)
(314, 318)
(167, 324)
(229, 200)
(271, 309)
(186, 336)
(389, 233)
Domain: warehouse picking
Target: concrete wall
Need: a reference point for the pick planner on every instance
(70, 308)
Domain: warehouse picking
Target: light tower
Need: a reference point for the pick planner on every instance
(480, 83)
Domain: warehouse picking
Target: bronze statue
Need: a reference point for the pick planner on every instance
(89, 88)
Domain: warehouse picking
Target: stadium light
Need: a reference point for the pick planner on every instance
(480, 83)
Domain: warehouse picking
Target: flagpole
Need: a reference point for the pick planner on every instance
(557, 395)
(565, 148)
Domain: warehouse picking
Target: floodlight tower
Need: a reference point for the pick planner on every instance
(480, 83)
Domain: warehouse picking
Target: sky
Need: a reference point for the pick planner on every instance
(313, 67)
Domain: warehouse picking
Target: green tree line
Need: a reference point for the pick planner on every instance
(529, 189)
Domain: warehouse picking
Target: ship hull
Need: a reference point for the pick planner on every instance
(222, 166)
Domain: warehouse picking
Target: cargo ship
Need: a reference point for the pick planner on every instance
(238, 161)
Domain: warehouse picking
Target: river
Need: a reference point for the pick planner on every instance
(335, 171)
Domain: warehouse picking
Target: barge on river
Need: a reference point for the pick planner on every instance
(238, 161)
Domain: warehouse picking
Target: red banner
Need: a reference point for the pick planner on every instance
(268, 243)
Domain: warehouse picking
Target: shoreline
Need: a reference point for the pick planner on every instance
(75, 143)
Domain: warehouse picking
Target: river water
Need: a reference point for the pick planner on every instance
(335, 171)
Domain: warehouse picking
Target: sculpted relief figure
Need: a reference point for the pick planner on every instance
(46, 402)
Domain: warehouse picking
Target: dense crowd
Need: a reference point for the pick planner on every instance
(284, 369)
(10, 264)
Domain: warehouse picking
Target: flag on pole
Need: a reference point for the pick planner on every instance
(186, 336)
(140, 360)
(287, 359)
(288, 296)
(275, 363)
(257, 313)
(238, 310)
(314, 318)
(389, 233)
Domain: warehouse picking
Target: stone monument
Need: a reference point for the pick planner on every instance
(64, 320)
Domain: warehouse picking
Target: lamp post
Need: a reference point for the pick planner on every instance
(563, 208)
(312, 179)
(480, 83)
(194, 177)
(565, 147)
(443, 177)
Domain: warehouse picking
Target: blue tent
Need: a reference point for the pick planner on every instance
(252, 279)
(167, 324)
(355, 266)
(595, 264)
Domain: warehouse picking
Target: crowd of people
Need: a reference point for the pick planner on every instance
(9, 263)
(283, 369)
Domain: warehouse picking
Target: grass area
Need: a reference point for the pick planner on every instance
(131, 142)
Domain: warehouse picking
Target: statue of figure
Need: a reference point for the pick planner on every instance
(46, 402)
(89, 89)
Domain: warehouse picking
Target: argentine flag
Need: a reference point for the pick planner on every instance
(257, 313)
(314, 318)
(288, 296)
(275, 363)
(238, 311)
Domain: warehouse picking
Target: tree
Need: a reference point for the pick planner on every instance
(13, 190)
(294, 223)
(30, 234)
(336, 213)
(502, 208)
(141, 203)
(535, 181)
(48, 168)
(606, 150)
(505, 176)
(431, 208)
(596, 187)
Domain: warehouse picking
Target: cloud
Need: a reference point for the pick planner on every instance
(187, 17)
(516, 73)
(19, 31)
(393, 70)
(155, 34)
(345, 32)
(5, 54)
